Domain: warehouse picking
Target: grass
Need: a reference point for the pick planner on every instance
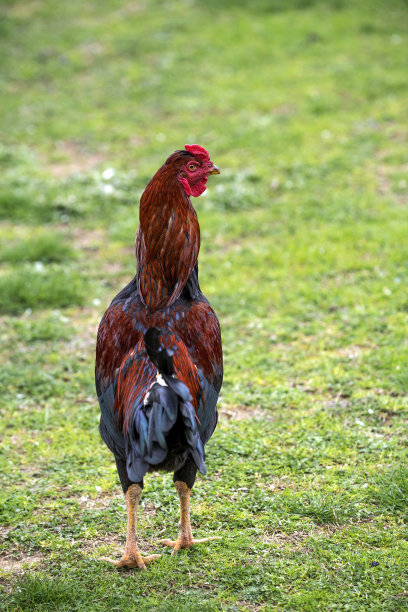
(46, 248)
(39, 287)
(302, 105)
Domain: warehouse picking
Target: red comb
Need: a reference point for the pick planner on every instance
(198, 151)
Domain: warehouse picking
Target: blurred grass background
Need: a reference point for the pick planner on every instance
(302, 104)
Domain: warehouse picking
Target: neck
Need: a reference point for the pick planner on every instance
(168, 240)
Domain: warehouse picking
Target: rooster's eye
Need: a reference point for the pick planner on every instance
(192, 167)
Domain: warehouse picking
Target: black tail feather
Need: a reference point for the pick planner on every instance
(165, 402)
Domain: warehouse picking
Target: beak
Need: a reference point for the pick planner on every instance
(215, 170)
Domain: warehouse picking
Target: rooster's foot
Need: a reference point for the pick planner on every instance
(181, 542)
(135, 560)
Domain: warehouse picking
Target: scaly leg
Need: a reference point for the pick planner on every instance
(185, 538)
(132, 556)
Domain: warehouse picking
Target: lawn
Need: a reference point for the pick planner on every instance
(304, 256)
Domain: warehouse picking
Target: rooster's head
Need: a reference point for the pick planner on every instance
(194, 170)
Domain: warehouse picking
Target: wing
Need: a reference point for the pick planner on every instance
(116, 336)
(135, 376)
(201, 336)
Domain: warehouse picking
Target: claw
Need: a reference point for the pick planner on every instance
(176, 545)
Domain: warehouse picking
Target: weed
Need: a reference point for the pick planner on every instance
(390, 489)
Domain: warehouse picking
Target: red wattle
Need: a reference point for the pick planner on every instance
(197, 189)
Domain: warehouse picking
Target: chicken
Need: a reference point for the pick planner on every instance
(159, 357)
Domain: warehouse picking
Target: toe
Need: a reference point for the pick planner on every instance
(168, 542)
(176, 545)
(151, 558)
(180, 543)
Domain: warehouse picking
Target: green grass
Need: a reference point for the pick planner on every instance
(302, 105)
(46, 248)
(39, 287)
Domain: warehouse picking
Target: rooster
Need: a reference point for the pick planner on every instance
(158, 356)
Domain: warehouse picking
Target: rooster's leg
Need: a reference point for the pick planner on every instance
(185, 538)
(132, 556)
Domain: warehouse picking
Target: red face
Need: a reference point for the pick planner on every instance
(194, 175)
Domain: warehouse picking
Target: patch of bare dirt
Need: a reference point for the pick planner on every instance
(86, 321)
(277, 484)
(105, 498)
(4, 531)
(241, 413)
(350, 352)
(116, 545)
(285, 110)
(10, 564)
(386, 180)
(115, 541)
(132, 8)
(246, 605)
(89, 239)
(76, 159)
(101, 502)
(92, 241)
(295, 540)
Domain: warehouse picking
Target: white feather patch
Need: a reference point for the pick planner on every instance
(159, 380)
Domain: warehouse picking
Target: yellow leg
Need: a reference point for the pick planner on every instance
(132, 556)
(185, 538)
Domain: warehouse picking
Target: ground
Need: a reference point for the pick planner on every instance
(302, 104)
